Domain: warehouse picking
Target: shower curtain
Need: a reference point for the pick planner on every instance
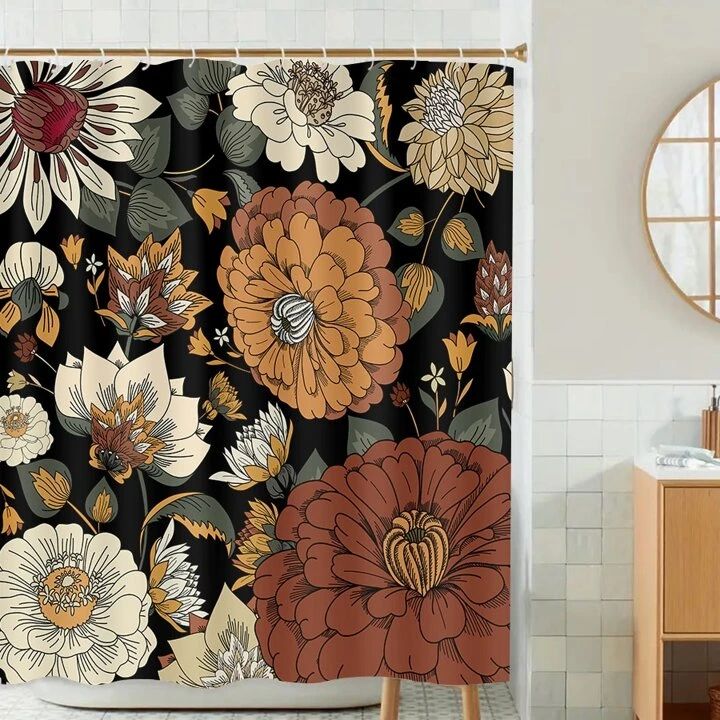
(256, 340)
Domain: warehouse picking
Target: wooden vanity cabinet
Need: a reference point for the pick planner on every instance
(676, 580)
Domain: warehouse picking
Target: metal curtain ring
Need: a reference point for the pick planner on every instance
(194, 57)
(55, 59)
(461, 54)
(147, 59)
(372, 57)
(415, 58)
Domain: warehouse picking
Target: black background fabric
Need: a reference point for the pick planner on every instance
(81, 326)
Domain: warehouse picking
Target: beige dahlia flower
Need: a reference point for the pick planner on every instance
(461, 133)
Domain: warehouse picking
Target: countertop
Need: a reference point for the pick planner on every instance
(664, 472)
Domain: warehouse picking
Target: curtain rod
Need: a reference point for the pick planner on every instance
(519, 52)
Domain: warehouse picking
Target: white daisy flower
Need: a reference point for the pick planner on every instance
(221, 336)
(72, 605)
(174, 581)
(299, 105)
(54, 120)
(260, 451)
(24, 429)
(93, 265)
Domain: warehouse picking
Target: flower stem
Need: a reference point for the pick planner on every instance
(437, 411)
(41, 387)
(414, 421)
(229, 364)
(457, 395)
(83, 517)
(42, 359)
(191, 170)
(432, 229)
(143, 536)
(383, 188)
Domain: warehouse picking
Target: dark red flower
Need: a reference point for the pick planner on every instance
(25, 347)
(400, 394)
(401, 567)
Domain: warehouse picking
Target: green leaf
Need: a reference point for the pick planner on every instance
(75, 426)
(363, 433)
(209, 76)
(313, 468)
(27, 483)
(93, 496)
(375, 85)
(152, 151)
(155, 209)
(160, 476)
(201, 515)
(427, 399)
(403, 237)
(240, 140)
(99, 212)
(480, 424)
(28, 297)
(189, 107)
(245, 185)
(472, 227)
(432, 305)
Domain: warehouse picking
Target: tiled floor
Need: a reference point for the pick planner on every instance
(418, 702)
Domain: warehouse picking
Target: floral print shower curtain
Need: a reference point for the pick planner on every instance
(256, 326)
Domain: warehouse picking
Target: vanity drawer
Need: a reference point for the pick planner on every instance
(691, 559)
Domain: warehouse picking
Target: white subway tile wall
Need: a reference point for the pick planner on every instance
(585, 439)
(203, 23)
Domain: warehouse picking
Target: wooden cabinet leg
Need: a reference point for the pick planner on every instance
(470, 702)
(390, 703)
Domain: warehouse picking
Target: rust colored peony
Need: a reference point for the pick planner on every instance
(315, 312)
(401, 567)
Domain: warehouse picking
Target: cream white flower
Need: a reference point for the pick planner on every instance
(508, 372)
(136, 415)
(72, 605)
(299, 105)
(260, 451)
(29, 273)
(174, 581)
(24, 429)
(58, 118)
(434, 377)
(225, 651)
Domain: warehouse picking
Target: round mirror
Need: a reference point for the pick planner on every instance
(681, 200)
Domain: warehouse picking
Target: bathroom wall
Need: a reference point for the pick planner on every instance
(606, 76)
(360, 23)
(621, 362)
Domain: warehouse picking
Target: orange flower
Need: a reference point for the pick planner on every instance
(210, 207)
(199, 344)
(72, 249)
(417, 280)
(11, 520)
(460, 351)
(150, 294)
(412, 225)
(314, 310)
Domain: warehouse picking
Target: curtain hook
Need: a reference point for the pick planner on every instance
(415, 58)
(282, 56)
(147, 59)
(102, 55)
(372, 57)
(237, 55)
(193, 57)
(461, 54)
(325, 57)
(55, 59)
(505, 59)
